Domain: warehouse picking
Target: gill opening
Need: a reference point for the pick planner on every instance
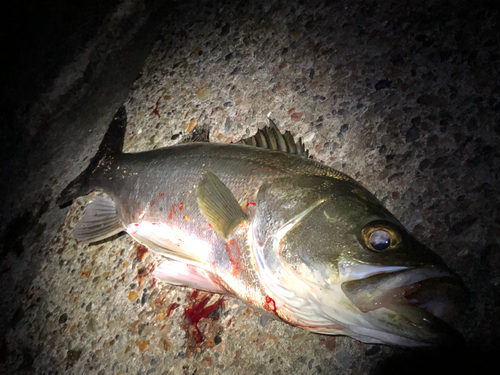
(280, 233)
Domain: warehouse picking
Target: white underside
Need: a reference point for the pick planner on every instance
(171, 242)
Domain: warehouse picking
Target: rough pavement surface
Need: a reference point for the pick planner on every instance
(403, 96)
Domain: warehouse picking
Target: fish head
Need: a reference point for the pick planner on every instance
(340, 263)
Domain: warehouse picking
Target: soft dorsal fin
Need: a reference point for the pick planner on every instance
(271, 138)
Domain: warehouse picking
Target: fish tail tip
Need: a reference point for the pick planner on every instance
(111, 145)
(72, 191)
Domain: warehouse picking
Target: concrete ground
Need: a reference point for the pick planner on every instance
(404, 96)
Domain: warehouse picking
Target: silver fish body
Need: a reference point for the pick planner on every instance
(282, 232)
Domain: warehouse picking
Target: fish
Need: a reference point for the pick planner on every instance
(261, 221)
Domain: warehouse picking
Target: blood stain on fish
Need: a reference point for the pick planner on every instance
(172, 212)
(155, 200)
(268, 307)
(136, 225)
(233, 252)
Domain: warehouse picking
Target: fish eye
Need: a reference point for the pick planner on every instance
(380, 240)
(380, 235)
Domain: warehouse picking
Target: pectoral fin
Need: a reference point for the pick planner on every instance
(169, 241)
(218, 204)
(100, 221)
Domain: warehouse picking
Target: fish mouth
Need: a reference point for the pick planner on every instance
(422, 305)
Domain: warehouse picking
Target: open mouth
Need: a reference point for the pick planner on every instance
(424, 303)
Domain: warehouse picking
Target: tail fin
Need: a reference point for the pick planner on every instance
(111, 144)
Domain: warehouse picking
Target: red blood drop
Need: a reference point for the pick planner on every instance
(270, 300)
(172, 307)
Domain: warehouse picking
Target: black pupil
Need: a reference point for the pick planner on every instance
(380, 240)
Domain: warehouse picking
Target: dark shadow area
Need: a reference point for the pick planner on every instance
(39, 38)
(471, 359)
(42, 37)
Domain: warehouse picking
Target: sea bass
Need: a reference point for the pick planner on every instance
(285, 234)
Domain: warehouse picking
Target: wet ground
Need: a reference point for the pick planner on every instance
(403, 96)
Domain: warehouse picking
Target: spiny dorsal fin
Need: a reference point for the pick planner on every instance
(268, 137)
(271, 138)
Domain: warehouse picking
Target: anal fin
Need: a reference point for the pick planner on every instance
(99, 221)
(177, 273)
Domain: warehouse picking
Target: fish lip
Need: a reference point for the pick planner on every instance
(420, 304)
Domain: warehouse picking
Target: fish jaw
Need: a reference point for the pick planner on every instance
(409, 307)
